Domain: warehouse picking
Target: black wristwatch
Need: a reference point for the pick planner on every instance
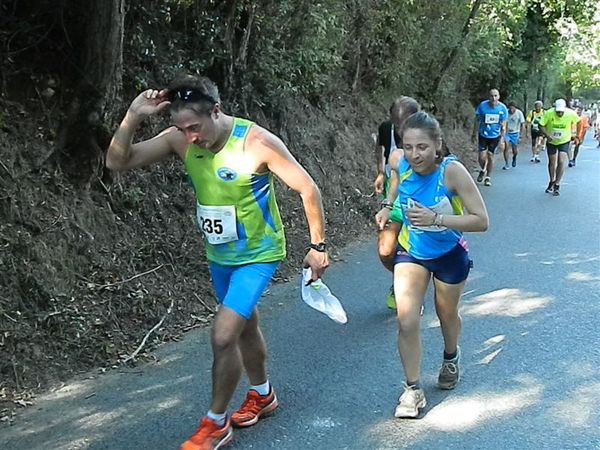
(320, 247)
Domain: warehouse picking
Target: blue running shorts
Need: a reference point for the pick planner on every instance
(452, 267)
(240, 287)
(513, 138)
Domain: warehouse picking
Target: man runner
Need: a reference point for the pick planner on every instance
(387, 141)
(558, 125)
(515, 124)
(231, 162)
(489, 130)
(537, 138)
(582, 127)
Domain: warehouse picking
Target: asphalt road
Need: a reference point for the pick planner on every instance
(531, 358)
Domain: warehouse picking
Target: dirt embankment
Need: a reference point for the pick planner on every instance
(87, 271)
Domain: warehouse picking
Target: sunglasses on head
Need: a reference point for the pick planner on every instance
(189, 95)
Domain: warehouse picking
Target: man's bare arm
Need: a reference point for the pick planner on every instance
(122, 154)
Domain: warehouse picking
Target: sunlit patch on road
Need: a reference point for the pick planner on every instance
(77, 388)
(582, 276)
(167, 404)
(580, 408)
(161, 386)
(487, 345)
(100, 419)
(489, 358)
(433, 323)
(76, 444)
(508, 302)
(579, 370)
(492, 341)
(324, 422)
(583, 260)
(569, 259)
(459, 414)
(463, 413)
(475, 275)
(170, 359)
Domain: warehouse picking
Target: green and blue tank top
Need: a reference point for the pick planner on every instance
(430, 191)
(236, 208)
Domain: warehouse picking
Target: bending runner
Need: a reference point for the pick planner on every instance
(231, 162)
(432, 191)
(490, 126)
(558, 125)
(582, 127)
(515, 124)
(387, 141)
(537, 137)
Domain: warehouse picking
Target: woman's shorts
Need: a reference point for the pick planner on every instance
(452, 267)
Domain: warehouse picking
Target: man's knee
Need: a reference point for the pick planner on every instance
(223, 340)
(251, 331)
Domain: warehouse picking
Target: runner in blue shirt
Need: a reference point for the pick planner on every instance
(440, 201)
(490, 126)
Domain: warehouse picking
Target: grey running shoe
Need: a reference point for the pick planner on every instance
(450, 372)
(550, 188)
(410, 403)
(556, 192)
(487, 181)
(480, 176)
(505, 167)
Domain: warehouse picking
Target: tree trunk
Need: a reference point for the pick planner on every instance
(449, 60)
(243, 51)
(86, 131)
(228, 75)
(569, 91)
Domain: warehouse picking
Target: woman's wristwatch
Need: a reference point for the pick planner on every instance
(386, 204)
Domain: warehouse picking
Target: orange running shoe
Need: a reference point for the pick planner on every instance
(209, 436)
(254, 407)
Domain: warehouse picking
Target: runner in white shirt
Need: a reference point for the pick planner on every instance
(515, 127)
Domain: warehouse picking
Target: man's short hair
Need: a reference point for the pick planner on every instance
(194, 92)
(405, 105)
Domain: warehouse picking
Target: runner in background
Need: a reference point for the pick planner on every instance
(489, 130)
(515, 125)
(388, 140)
(558, 125)
(582, 127)
(537, 137)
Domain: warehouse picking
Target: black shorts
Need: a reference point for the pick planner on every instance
(552, 149)
(488, 144)
(535, 135)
